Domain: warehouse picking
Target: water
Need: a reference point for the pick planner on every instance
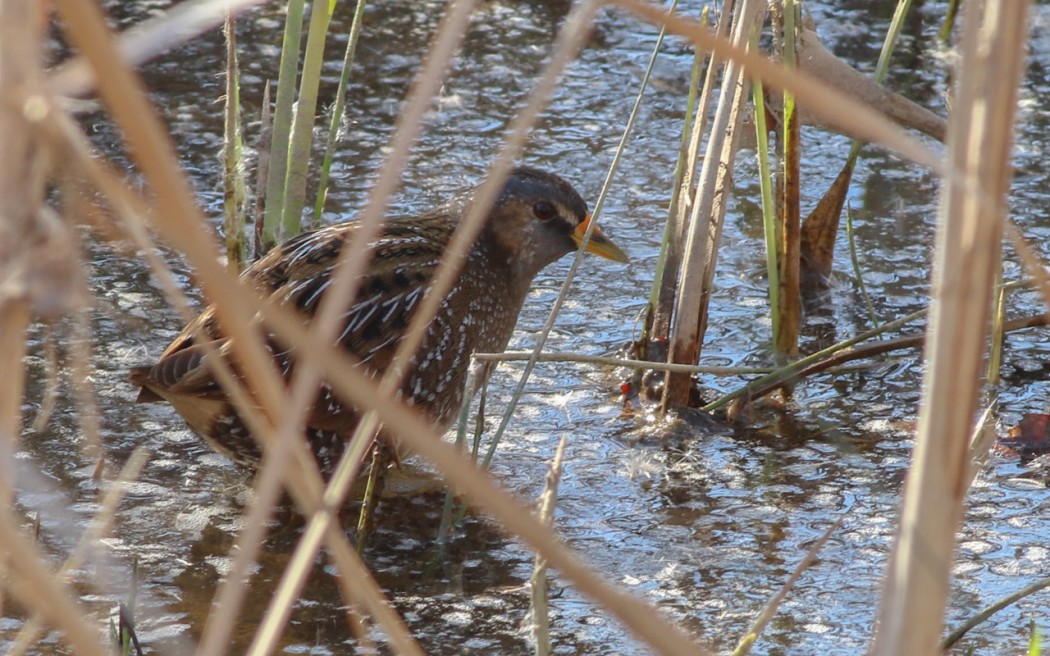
(705, 524)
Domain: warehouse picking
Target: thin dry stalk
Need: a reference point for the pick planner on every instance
(835, 108)
(177, 216)
(14, 318)
(20, 50)
(51, 387)
(180, 222)
(612, 361)
(148, 39)
(33, 584)
(1031, 261)
(132, 210)
(80, 370)
(984, 436)
(708, 210)
(538, 583)
(571, 38)
(957, 634)
(420, 436)
(770, 609)
(669, 283)
(839, 354)
(155, 155)
(967, 261)
(569, 42)
(326, 323)
(40, 591)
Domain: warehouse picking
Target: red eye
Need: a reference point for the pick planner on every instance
(544, 211)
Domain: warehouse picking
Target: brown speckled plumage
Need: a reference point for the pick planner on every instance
(538, 218)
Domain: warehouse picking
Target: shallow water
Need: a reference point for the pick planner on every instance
(707, 526)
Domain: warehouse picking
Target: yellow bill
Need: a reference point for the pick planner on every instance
(599, 244)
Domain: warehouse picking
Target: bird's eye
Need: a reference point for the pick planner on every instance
(544, 211)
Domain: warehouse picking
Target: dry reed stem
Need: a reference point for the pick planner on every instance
(345, 557)
(474, 483)
(984, 436)
(638, 616)
(836, 108)
(325, 325)
(148, 39)
(665, 310)
(181, 223)
(967, 262)
(223, 291)
(957, 634)
(703, 110)
(20, 41)
(190, 236)
(14, 319)
(71, 147)
(841, 353)
(815, 59)
(568, 43)
(177, 216)
(539, 608)
(64, 527)
(613, 361)
(132, 210)
(80, 370)
(1031, 261)
(570, 40)
(705, 223)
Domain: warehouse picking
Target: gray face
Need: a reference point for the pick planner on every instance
(534, 219)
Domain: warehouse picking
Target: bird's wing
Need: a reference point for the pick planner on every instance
(182, 372)
(388, 292)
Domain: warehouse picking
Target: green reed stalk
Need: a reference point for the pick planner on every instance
(945, 35)
(769, 208)
(303, 122)
(274, 224)
(855, 261)
(262, 171)
(337, 111)
(787, 312)
(234, 198)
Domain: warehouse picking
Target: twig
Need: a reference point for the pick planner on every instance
(744, 646)
(776, 378)
(992, 609)
(612, 361)
(886, 346)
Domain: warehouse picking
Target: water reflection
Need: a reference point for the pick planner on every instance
(703, 522)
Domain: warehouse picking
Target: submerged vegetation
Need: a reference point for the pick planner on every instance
(756, 70)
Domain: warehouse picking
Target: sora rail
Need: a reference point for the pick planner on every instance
(537, 219)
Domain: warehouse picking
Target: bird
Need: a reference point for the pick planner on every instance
(537, 218)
